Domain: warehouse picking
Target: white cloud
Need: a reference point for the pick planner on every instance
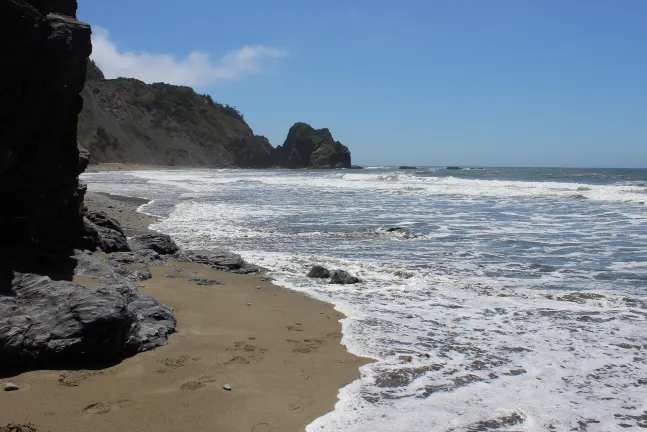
(197, 69)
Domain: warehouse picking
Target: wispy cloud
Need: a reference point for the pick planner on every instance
(197, 69)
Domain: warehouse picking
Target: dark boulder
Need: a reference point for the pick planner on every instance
(343, 278)
(110, 236)
(58, 322)
(160, 243)
(319, 272)
(218, 259)
(306, 147)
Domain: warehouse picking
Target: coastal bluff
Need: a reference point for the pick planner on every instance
(125, 120)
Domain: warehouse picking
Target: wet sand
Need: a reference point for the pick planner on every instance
(279, 350)
(121, 208)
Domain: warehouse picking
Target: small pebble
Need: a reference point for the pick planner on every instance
(227, 387)
(11, 387)
(249, 304)
(258, 287)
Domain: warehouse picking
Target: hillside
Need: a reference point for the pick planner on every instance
(126, 120)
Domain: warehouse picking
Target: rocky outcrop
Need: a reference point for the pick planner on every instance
(46, 319)
(319, 272)
(126, 120)
(110, 236)
(306, 147)
(218, 259)
(342, 277)
(45, 55)
(160, 243)
(45, 322)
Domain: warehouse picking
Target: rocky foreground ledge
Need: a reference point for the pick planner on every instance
(93, 312)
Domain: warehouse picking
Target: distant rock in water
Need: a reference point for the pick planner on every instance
(342, 277)
(319, 272)
(453, 168)
(306, 147)
(406, 167)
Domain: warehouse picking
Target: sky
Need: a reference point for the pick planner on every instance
(429, 82)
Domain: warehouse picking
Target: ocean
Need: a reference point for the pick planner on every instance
(504, 299)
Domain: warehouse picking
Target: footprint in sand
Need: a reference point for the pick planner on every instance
(198, 384)
(295, 327)
(105, 407)
(174, 363)
(307, 345)
(301, 404)
(253, 353)
(74, 379)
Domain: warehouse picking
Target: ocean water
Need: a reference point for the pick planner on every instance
(511, 299)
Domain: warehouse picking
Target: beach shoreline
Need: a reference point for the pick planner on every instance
(278, 349)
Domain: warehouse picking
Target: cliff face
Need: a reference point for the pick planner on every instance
(306, 147)
(46, 318)
(126, 120)
(45, 54)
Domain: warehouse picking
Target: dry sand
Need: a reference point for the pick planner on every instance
(279, 350)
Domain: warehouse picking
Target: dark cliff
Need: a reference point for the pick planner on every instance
(126, 120)
(306, 147)
(45, 318)
(45, 51)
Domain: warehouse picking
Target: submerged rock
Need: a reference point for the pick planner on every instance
(342, 277)
(160, 243)
(319, 272)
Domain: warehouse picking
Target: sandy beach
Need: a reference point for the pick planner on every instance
(279, 351)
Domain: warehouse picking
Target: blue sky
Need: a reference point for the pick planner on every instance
(496, 83)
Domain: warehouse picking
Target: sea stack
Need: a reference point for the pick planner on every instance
(306, 147)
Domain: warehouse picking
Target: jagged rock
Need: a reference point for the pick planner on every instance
(219, 260)
(110, 236)
(343, 278)
(45, 321)
(319, 272)
(160, 243)
(313, 148)
(43, 71)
